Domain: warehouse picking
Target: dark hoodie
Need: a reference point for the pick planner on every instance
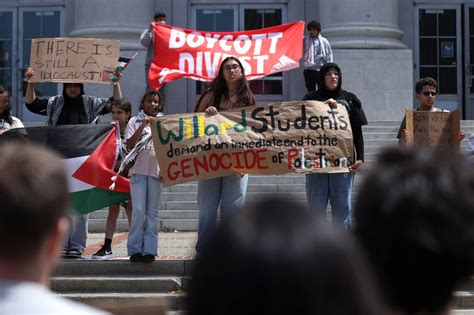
(349, 100)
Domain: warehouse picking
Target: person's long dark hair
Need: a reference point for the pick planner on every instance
(218, 88)
(6, 115)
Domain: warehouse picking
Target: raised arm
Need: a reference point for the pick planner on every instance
(117, 94)
(147, 36)
(30, 95)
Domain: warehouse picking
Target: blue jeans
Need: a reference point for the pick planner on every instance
(143, 235)
(76, 235)
(335, 187)
(229, 191)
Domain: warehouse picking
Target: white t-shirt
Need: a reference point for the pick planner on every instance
(32, 298)
(16, 124)
(146, 163)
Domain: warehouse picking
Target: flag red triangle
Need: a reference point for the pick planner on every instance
(98, 171)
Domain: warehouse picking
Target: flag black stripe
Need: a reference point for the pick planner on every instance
(68, 140)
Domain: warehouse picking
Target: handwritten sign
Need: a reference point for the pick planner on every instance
(433, 129)
(71, 60)
(300, 137)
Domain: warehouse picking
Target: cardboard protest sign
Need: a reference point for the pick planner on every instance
(433, 129)
(81, 60)
(198, 54)
(300, 137)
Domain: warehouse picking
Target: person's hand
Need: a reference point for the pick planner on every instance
(356, 167)
(118, 75)
(403, 136)
(152, 24)
(462, 135)
(29, 73)
(211, 111)
(331, 102)
(146, 121)
(240, 175)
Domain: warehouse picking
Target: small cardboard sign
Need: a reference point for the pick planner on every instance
(278, 138)
(73, 60)
(433, 129)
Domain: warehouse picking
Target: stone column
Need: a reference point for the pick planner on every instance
(122, 20)
(376, 65)
(363, 24)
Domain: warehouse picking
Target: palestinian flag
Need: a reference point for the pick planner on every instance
(122, 63)
(90, 153)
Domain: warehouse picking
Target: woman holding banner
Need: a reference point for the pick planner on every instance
(228, 90)
(72, 107)
(337, 187)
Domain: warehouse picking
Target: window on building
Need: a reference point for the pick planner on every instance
(261, 18)
(438, 47)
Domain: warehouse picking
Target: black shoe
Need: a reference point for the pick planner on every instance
(74, 253)
(136, 258)
(103, 254)
(148, 259)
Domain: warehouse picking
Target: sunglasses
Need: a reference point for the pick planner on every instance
(426, 93)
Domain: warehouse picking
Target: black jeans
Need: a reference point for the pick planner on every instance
(310, 79)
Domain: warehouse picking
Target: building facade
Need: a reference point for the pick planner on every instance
(382, 46)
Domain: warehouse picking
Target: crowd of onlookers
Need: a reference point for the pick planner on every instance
(410, 248)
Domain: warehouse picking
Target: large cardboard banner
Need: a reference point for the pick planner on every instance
(300, 137)
(198, 54)
(433, 129)
(81, 60)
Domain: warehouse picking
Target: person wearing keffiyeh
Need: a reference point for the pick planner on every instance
(145, 184)
(317, 52)
(72, 107)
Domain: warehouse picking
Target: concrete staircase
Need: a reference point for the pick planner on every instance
(178, 205)
(120, 283)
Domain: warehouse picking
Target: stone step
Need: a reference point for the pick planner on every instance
(464, 300)
(174, 301)
(115, 284)
(122, 267)
(464, 123)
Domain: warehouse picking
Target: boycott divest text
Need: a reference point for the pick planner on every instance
(197, 54)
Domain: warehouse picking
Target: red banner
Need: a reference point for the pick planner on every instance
(198, 54)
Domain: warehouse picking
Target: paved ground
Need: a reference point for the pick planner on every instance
(171, 246)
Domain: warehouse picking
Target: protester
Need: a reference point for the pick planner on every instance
(425, 89)
(414, 217)
(276, 257)
(72, 107)
(317, 52)
(31, 230)
(121, 113)
(7, 121)
(228, 90)
(337, 187)
(145, 184)
(147, 40)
